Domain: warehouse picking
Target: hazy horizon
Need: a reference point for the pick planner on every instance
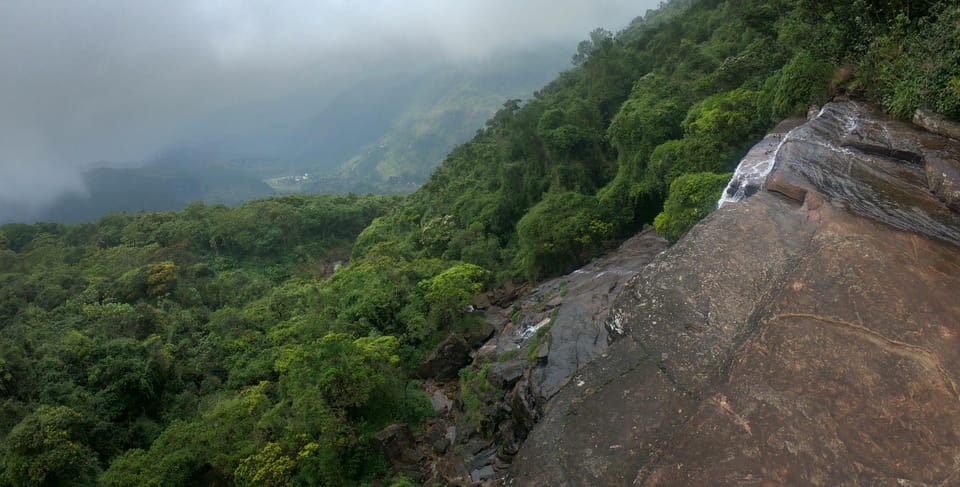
(95, 81)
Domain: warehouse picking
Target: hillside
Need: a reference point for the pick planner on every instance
(443, 107)
(276, 342)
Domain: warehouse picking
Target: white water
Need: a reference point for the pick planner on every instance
(752, 172)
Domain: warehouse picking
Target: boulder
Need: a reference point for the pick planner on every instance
(396, 443)
(936, 123)
(943, 179)
(505, 374)
(479, 333)
(483, 473)
(445, 361)
(441, 403)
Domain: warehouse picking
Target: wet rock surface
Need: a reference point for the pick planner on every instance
(805, 336)
(752, 172)
(544, 337)
(874, 167)
(583, 301)
(936, 123)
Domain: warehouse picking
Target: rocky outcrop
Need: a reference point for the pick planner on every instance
(937, 124)
(396, 444)
(446, 360)
(807, 335)
(564, 317)
(544, 337)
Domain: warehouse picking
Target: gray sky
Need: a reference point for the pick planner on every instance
(86, 81)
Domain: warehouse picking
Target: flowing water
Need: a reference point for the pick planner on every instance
(751, 174)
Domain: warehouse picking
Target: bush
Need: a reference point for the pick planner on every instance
(803, 81)
(692, 197)
(560, 233)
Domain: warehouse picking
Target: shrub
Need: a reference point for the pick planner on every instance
(692, 197)
(561, 232)
(803, 81)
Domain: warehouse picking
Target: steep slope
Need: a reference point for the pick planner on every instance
(804, 336)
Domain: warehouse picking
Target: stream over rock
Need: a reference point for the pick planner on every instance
(806, 335)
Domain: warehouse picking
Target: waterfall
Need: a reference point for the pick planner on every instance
(752, 172)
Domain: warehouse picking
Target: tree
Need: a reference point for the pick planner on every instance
(560, 232)
(268, 467)
(48, 448)
(449, 292)
(803, 81)
(598, 37)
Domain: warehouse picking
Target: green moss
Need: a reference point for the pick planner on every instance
(503, 357)
(534, 344)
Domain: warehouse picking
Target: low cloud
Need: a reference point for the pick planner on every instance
(88, 81)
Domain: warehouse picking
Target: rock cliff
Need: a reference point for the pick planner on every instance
(544, 336)
(806, 335)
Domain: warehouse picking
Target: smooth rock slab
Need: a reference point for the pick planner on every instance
(805, 337)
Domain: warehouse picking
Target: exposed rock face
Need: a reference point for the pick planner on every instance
(936, 124)
(396, 443)
(751, 174)
(809, 335)
(543, 340)
(446, 360)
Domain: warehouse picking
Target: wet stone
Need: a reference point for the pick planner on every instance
(797, 337)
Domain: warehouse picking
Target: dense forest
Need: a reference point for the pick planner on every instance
(265, 344)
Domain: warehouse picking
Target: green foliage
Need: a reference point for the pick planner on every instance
(508, 355)
(479, 398)
(803, 81)
(403, 481)
(48, 447)
(692, 197)
(449, 292)
(161, 335)
(340, 370)
(533, 346)
(560, 233)
(916, 63)
(269, 467)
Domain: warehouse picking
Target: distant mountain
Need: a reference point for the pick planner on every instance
(384, 134)
(388, 133)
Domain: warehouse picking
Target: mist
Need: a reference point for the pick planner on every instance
(87, 83)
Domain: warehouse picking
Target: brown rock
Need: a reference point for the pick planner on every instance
(446, 360)
(783, 341)
(936, 123)
(943, 178)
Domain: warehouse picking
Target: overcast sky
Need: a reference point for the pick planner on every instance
(86, 81)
